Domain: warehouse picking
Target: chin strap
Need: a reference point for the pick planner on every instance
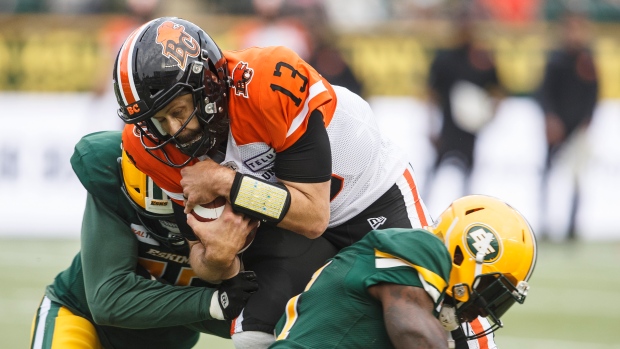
(447, 317)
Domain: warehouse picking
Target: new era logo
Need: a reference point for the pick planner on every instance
(376, 222)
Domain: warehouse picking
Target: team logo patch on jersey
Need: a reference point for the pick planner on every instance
(176, 43)
(376, 222)
(482, 238)
(242, 76)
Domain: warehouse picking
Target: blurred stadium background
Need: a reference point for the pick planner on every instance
(55, 66)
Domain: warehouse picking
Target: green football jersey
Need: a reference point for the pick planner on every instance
(123, 279)
(336, 310)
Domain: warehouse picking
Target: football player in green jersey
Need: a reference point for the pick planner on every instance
(411, 288)
(131, 285)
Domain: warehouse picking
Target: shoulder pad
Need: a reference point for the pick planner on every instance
(94, 162)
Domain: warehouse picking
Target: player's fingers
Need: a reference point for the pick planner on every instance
(192, 221)
(189, 205)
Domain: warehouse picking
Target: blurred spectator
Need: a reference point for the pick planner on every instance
(418, 9)
(512, 11)
(75, 6)
(111, 36)
(329, 62)
(463, 84)
(326, 56)
(282, 23)
(357, 14)
(272, 28)
(568, 96)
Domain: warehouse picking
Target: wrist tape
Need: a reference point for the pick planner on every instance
(260, 199)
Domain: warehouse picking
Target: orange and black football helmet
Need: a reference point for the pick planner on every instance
(161, 60)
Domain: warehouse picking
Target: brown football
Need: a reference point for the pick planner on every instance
(211, 211)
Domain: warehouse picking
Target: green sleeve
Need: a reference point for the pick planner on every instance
(116, 295)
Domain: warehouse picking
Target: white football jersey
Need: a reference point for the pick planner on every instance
(366, 162)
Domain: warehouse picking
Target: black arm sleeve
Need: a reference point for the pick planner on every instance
(181, 219)
(309, 160)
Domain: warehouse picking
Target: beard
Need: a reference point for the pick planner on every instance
(188, 137)
(190, 142)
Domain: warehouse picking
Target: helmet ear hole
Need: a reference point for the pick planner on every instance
(458, 256)
(473, 210)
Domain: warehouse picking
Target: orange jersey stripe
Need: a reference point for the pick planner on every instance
(232, 326)
(418, 204)
(483, 342)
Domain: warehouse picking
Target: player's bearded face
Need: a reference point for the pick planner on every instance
(189, 135)
(172, 119)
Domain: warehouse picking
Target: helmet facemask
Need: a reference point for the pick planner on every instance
(491, 296)
(210, 108)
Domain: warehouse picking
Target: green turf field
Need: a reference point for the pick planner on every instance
(573, 301)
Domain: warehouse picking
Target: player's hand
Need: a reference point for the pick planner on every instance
(224, 237)
(204, 181)
(232, 295)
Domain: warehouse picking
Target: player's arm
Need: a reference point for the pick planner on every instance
(305, 169)
(116, 295)
(304, 173)
(408, 316)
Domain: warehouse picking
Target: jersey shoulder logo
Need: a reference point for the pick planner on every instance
(144, 130)
(482, 239)
(176, 43)
(242, 76)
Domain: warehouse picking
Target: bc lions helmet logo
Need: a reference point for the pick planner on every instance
(176, 43)
(242, 76)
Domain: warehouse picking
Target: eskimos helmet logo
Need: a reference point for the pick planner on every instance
(176, 43)
(480, 238)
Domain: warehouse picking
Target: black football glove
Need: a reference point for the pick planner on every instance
(232, 295)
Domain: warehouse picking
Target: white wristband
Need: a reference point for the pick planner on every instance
(215, 309)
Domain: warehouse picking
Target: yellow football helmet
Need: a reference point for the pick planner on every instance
(150, 202)
(493, 251)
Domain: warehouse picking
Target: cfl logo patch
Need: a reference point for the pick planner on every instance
(224, 300)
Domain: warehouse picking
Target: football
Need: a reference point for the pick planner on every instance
(211, 211)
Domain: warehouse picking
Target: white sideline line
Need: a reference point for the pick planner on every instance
(509, 342)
